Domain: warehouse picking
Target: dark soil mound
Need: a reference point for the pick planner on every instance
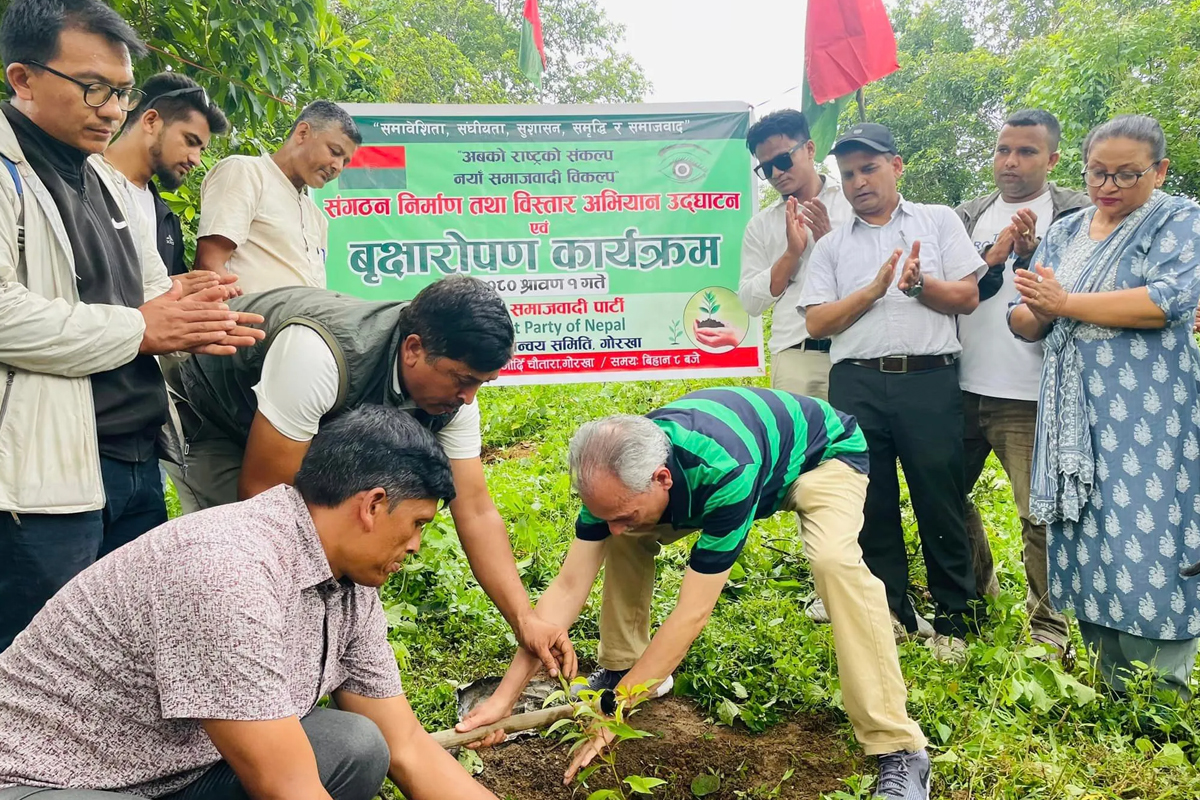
(684, 747)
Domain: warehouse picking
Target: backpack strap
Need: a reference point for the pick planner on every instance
(11, 166)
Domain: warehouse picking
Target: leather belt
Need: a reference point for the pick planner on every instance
(899, 365)
(819, 345)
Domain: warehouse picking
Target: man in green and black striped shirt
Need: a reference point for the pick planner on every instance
(715, 461)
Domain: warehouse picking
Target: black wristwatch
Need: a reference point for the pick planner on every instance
(918, 287)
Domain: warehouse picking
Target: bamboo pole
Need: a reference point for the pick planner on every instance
(514, 724)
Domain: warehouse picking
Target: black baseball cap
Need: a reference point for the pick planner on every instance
(868, 134)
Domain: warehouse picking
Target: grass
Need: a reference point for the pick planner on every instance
(1003, 725)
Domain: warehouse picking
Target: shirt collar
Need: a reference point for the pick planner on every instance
(311, 566)
(679, 497)
(274, 169)
(830, 185)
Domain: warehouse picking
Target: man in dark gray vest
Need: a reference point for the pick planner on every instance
(248, 420)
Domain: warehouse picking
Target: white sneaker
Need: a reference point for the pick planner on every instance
(817, 613)
(948, 649)
(924, 630)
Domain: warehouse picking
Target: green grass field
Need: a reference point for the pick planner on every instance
(1004, 725)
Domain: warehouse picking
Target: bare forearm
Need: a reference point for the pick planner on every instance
(830, 319)
(949, 297)
(485, 541)
(560, 604)
(667, 649)
(424, 771)
(1124, 308)
(782, 272)
(1028, 326)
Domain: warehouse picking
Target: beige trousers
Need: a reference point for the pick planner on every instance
(828, 502)
(803, 372)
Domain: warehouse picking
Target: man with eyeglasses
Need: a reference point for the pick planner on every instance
(1000, 375)
(161, 142)
(257, 218)
(895, 368)
(778, 243)
(81, 397)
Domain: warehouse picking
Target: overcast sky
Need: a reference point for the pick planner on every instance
(749, 50)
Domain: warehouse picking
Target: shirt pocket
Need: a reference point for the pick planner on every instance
(931, 251)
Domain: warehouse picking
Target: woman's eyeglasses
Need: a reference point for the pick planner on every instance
(1125, 179)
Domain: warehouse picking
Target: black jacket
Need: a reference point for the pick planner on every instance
(169, 233)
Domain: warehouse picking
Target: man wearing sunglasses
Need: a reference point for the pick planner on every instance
(779, 241)
(81, 396)
(160, 143)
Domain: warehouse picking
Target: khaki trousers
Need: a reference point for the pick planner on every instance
(803, 372)
(1007, 427)
(828, 502)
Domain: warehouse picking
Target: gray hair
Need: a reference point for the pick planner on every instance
(1137, 127)
(323, 114)
(629, 447)
(374, 447)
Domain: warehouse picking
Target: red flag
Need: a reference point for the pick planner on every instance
(847, 44)
(532, 55)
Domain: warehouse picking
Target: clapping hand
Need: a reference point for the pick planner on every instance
(1041, 292)
(817, 217)
(1025, 238)
(910, 275)
(797, 234)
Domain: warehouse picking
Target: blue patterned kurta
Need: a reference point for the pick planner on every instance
(1118, 566)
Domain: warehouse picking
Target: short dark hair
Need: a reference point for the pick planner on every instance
(374, 447)
(178, 106)
(464, 319)
(322, 114)
(1036, 117)
(1138, 127)
(31, 29)
(788, 122)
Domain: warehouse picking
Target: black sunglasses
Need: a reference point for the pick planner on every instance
(782, 162)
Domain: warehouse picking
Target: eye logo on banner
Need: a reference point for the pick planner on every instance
(685, 163)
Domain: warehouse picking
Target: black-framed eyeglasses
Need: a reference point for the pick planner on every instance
(782, 162)
(179, 93)
(1125, 179)
(98, 93)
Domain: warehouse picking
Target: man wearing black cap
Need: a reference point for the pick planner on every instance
(895, 367)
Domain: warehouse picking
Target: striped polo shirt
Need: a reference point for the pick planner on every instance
(734, 455)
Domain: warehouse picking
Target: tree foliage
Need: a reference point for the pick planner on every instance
(465, 51)
(965, 65)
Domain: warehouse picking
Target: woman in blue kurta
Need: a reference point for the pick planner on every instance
(1116, 470)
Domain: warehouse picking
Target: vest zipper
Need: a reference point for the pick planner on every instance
(8, 382)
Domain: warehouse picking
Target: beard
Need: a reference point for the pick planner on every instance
(165, 175)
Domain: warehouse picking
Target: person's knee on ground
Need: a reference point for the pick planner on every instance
(352, 755)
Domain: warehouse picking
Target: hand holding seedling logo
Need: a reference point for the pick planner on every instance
(715, 320)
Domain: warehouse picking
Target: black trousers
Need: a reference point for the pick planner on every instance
(918, 418)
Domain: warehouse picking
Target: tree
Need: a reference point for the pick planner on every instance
(465, 51)
(965, 65)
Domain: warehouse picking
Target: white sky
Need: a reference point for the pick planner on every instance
(749, 50)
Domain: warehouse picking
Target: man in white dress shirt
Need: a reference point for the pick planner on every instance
(895, 368)
(779, 241)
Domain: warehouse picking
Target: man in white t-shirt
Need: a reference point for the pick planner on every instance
(160, 143)
(249, 421)
(779, 241)
(1000, 374)
(257, 219)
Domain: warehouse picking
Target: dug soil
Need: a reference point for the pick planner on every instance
(684, 746)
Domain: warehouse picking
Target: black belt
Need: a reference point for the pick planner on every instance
(902, 364)
(819, 345)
